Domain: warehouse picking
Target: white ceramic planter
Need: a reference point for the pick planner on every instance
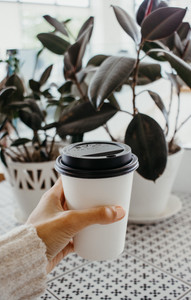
(182, 181)
(29, 182)
(149, 199)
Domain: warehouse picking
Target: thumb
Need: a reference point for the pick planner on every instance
(76, 220)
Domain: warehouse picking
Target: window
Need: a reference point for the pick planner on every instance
(77, 3)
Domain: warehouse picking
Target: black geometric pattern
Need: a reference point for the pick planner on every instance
(156, 262)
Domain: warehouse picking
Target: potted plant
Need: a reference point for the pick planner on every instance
(29, 156)
(157, 21)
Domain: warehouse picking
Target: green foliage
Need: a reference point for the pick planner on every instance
(74, 114)
(159, 32)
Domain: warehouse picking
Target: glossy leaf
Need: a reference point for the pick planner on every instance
(184, 30)
(35, 108)
(2, 156)
(14, 80)
(111, 74)
(148, 46)
(65, 88)
(178, 44)
(148, 73)
(147, 141)
(127, 23)
(19, 142)
(80, 117)
(143, 8)
(77, 50)
(161, 23)
(182, 68)
(53, 43)
(59, 26)
(31, 119)
(97, 60)
(5, 94)
(158, 101)
(187, 52)
(88, 23)
(45, 75)
(2, 125)
(34, 85)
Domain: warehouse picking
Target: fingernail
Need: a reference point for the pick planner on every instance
(120, 212)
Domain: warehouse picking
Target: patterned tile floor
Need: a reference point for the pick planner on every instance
(156, 262)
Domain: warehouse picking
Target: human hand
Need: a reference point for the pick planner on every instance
(56, 225)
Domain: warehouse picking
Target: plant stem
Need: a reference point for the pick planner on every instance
(51, 146)
(16, 158)
(107, 130)
(124, 111)
(189, 117)
(171, 97)
(135, 75)
(25, 148)
(177, 117)
(80, 89)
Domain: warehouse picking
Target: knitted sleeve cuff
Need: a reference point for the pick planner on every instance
(22, 264)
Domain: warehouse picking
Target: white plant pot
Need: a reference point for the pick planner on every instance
(149, 199)
(182, 181)
(29, 182)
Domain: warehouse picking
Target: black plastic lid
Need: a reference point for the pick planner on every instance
(96, 160)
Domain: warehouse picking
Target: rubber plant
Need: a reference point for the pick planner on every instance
(74, 112)
(73, 109)
(156, 22)
(176, 49)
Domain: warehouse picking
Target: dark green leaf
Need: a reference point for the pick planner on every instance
(162, 23)
(34, 85)
(19, 142)
(77, 138)
(65, 88)
(148, 73)
(147, 141)
(182, 68)
(80, 117)
(35, 108)
(113, 101)
(30, 119)
(14, 80)
(45, 75)
(2, 155)
(153, 45)
(53, 43)
(143, 8)
(85, 26)
(50, 126)
(183, 30)
(178, 44)
(187, 52)
(59, 26)
(111, 74)
(97, 60)
(127, 23)
(3, 123)
(6, 95)
(77, 50)
(158, 101)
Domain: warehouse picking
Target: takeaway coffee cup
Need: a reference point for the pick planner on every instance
(96, 174)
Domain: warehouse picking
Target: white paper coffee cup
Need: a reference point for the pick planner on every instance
(98, 174)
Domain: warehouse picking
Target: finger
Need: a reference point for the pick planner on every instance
(76, 220)
(56, 193)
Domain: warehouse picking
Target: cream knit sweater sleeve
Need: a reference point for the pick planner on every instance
(22, 264)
